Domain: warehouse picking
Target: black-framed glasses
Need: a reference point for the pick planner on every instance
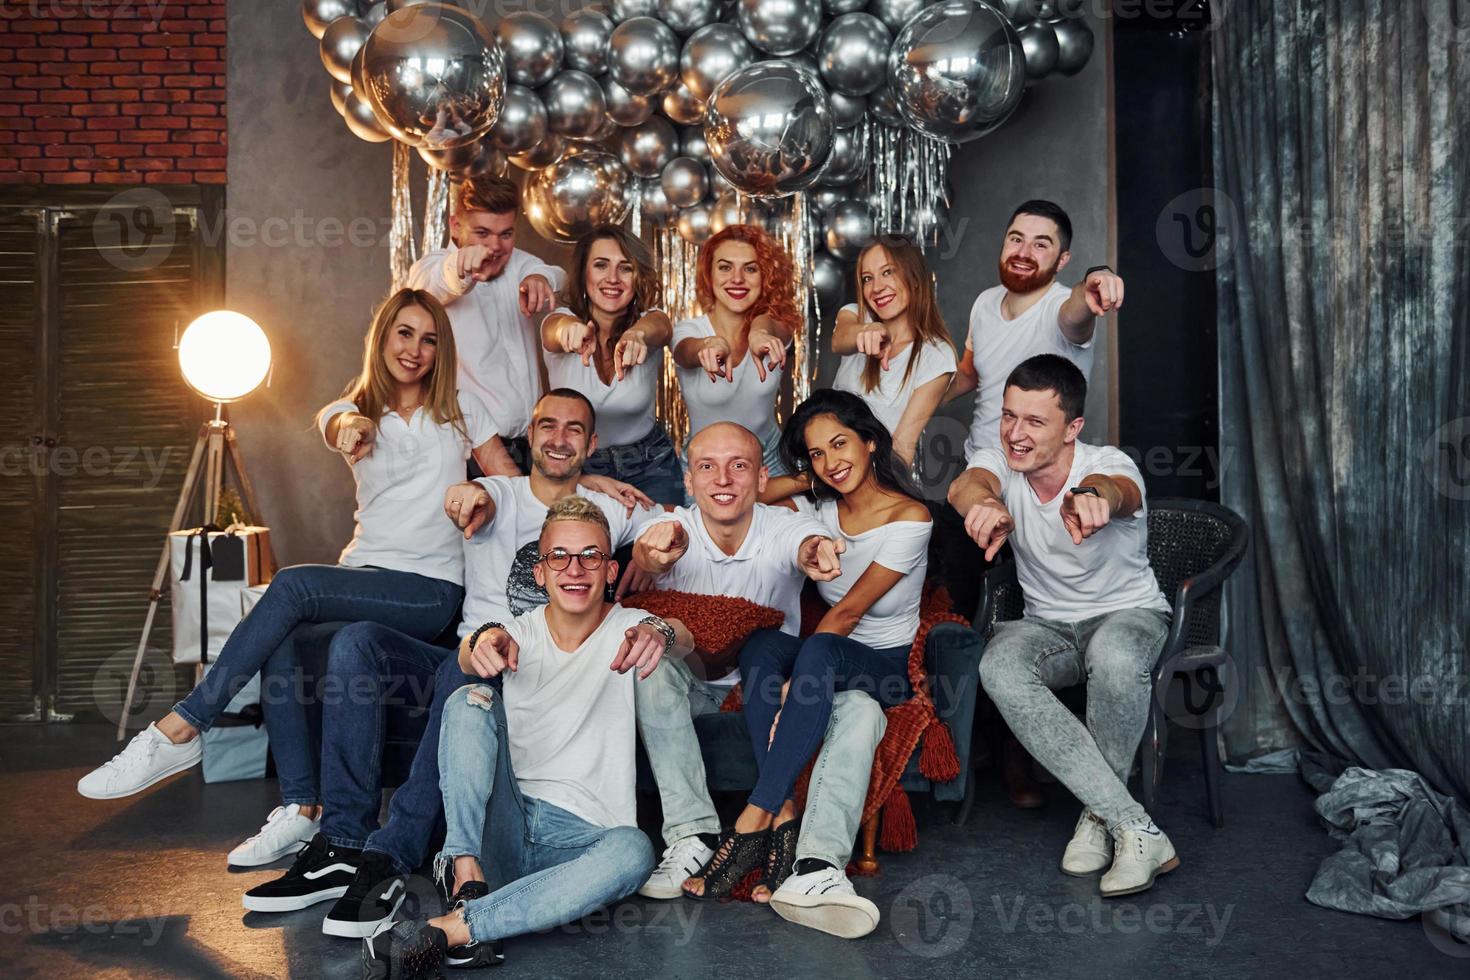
(557, 559)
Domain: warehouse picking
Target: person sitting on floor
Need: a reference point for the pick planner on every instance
(1076, 519)
(538, 777)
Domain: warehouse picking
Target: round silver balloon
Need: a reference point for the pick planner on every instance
(375, 13)
(726, 211)
(572, 196)
(548, 151)
(957, 69)
(648, 147)
(895, 14)
(487, 162)
(1067, 9)
(362, 121)
(849, 160)
(837, 8)
(803, 59)
(452, 159)
(604, 132)
(829, 280)
(318, 14)
(692, 144)
(770, 129)
(1039, 43)
(1074, 45)
(532, 46)
(847, 229)
(584, 36)
(643, 55)
(884, 107)
(846, 110)
(779, 27)
(1019, 11)
(433, 74)
(684, 181)
(711, 55)
(682, 106)
(575, 105)
(687, 16)
(341, 41)
(523, 121)
(853, 54)
(694, 224)
(719, 185)
(655, 202)
(822, 198)
(922, 223)
(621, 10)
(340, 92)
(623, 107)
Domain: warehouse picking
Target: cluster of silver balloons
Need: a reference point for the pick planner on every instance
(699, 109)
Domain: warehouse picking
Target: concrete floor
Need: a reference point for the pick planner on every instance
(139, 888)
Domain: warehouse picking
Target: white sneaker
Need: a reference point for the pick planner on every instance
(824, 900)
(681, 860)
(149, 757)
(1140, 854)
(285, 832)
(1091, 848)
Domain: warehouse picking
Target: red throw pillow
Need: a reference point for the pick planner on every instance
(720, 624)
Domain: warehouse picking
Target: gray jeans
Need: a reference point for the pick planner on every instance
(1114, 655)
(670, 700)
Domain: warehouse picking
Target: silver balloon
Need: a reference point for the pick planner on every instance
(853, 54)
(848, 161)
(1074, 45)
(848, 229)
(548, 151)
(362, 121)
(1019, 11)
(692, 144)
(694, 224)
(575, 106)
(839, 7)
(727, 211)
(846, 110)
(452, 159)
(656, 206)
(884, 107)
(711, 55)
(375, 13)
(572, 196)
(488, 162)
(340, 92)
(957, 69)
(584, 36)
(1039, 43)
(604, 132)
(623, 107)
(803, 59)
(769, 129)
(341, 41)
(532, 46)
(719, 185)
(895, 14)
(643, 55)
(779, 27)
(922, 223)
(829, 280)
(433, 75)
(318, 14)
(523, 121)
(1067, 9)
(648, 147)
(621, 10)
(687, 16)
(684, 181)
(822, 198)
(683, 106)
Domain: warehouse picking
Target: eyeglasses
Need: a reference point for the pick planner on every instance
(558, 559)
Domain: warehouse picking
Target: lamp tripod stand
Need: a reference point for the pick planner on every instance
(215, 448)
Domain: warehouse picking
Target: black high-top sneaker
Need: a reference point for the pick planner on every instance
(321, 872)
(403, 951)
(372, 898)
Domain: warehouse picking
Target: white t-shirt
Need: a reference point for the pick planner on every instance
(570, 720)
(624, 408)
(747, 400)
(763, 570)
(1000, 345)
(900, 546)
(400, 490)
(1068, 582)
(498, 346)
(892, 395)
(499, 583)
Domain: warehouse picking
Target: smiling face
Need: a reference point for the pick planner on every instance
(1031, 255)
(840, 458)
(561, 437)
(497, 232)
(725, 474)
(1034, 431)
(610, 278)
(410, 344)
(574, 589)
(735, 276)
(883, 287)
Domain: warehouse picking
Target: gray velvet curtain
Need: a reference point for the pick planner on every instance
(1342, 159)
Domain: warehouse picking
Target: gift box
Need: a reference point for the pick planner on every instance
(209, 570)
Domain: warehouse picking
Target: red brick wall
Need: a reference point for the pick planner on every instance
(112, 92)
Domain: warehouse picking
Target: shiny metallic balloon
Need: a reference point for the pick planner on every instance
(847, 229)
(694, 224)
(804, 59)
(375, 13)
(532, 46)
(623, 107)
(648, 147)
(837, 8)
(340, 44)
(849, 159)
(1019, 11)
(692, 144)
(853, 54)
(1074, 45)
(687, 16)
(957, 69)
(546, 152)
(727, 210)
(769, 129)
(846, 110)
(574, 103)
(340, 92)
(779, 27)
(682, 106)
(719, 185)
(822, 198)
(655, 203)
(318, 14)
(433, 74)
(621, 10)
(684, 181)
(895, 14)
(488, 162)
(884, 107)
(361, 120)
(523, 121)
(711, 55)
(829, 279)
(643, 55)
(584, 36)
(572, 196)
(1039, 42)
(452, 159)
(606, 131)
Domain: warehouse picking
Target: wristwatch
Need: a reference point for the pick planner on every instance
(1098, 268)
(475, 636)
(1082, 490)
(663, 628)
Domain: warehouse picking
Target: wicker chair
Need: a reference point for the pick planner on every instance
(1193, 546)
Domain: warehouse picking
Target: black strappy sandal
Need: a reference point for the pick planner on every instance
(734, 858)
(780, 854)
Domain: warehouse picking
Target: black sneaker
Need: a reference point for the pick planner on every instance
(404, 951)
(373, 897)
(474, 954)
(321, 872)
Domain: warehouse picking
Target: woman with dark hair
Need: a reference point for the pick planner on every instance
(599, 343)
(861, 491)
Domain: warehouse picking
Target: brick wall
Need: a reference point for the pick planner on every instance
(112, 92)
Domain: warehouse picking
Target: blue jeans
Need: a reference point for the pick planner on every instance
(818, 667)
(650, 464)
(371, 670)
(550, 866)
(414, 604)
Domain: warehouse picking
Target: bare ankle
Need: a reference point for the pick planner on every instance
(752, 820)
(176, 729)
(452, 924)
(312, 811)
(467, 869)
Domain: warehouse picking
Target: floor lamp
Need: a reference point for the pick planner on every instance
(223, 356)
